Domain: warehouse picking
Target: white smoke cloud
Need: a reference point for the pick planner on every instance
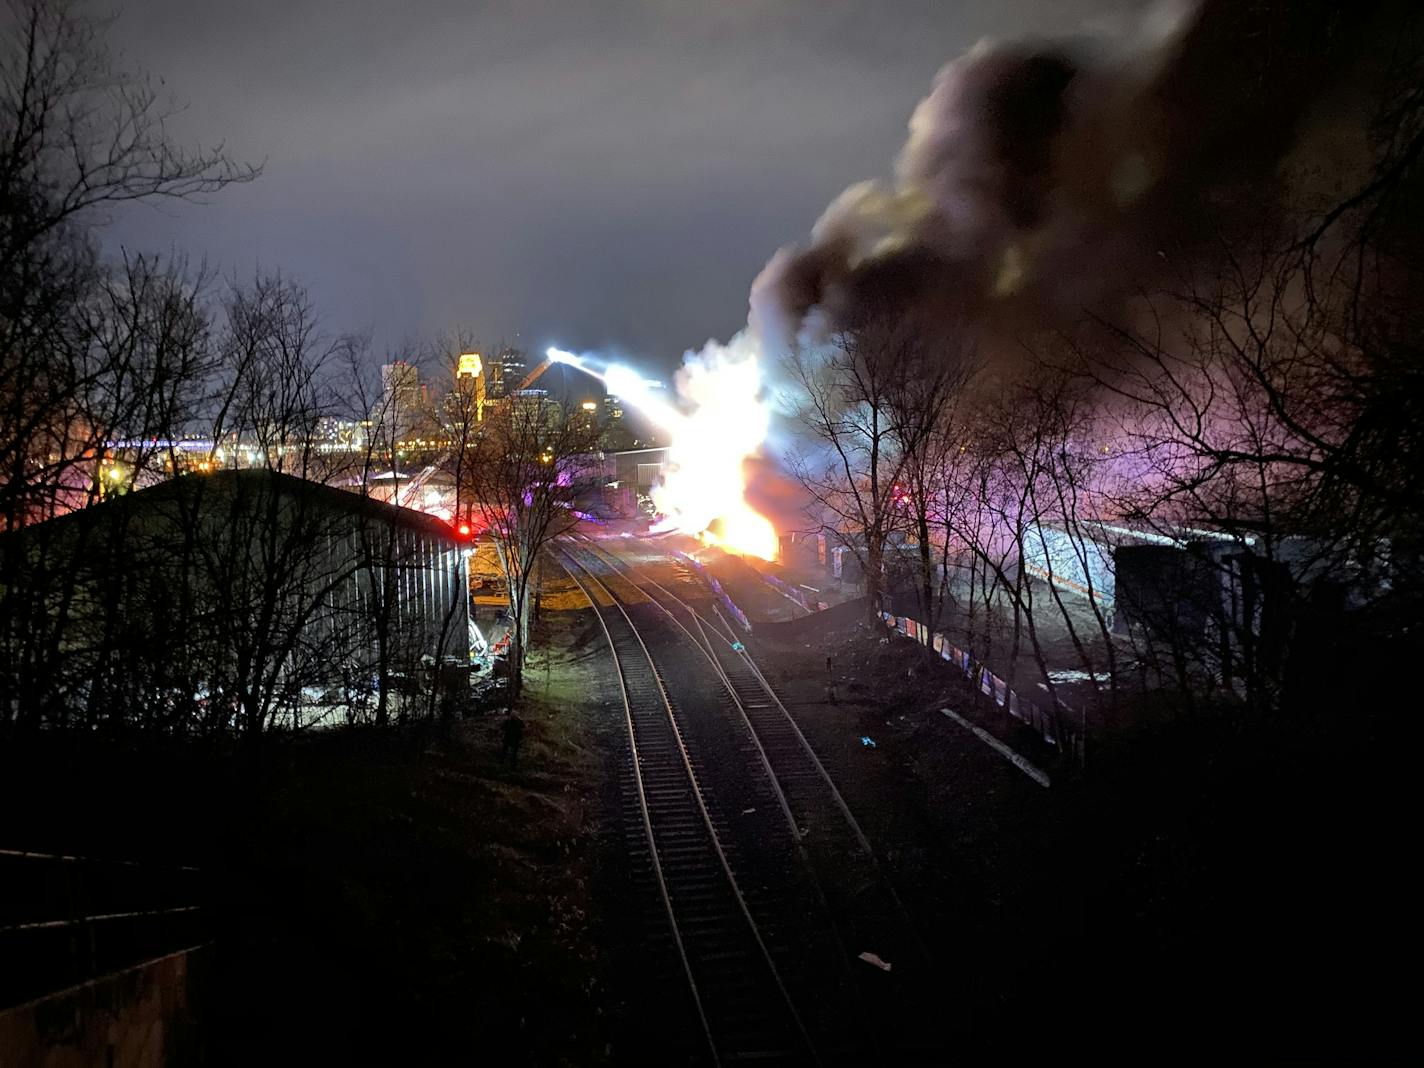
(726, 421)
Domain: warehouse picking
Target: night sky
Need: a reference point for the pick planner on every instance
(600, 175)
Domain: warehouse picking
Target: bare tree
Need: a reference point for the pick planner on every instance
(930, 425)
(1274, 418)
(77, 134)
(992, 513)
(461, 425)
(276, 379)
(873, 405)
(258, 555)
(89, 351)
(523, 473)
(134, 376)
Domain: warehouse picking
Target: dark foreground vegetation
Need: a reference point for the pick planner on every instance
(373, 896)
(1210, 887)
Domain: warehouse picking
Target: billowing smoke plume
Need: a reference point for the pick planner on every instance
(1043, 179)
(1042, 184)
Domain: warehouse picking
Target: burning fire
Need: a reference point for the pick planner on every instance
(704, 491)
(725, 423)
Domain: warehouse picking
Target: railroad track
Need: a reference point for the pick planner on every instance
(864, 907)
(740, 997)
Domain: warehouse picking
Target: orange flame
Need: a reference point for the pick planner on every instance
(704, 490)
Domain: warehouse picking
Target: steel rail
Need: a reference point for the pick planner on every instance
(648, 824)
(26, 854)
(705, 648)
(854, 824)
(798, 833)
(80, 921)
(730, 640)
(696, 793)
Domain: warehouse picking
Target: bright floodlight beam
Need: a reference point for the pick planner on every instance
(634, 389)
(558, 355)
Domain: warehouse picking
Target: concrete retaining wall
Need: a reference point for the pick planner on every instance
(146, 1016)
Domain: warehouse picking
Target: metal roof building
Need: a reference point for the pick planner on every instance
(248, 595)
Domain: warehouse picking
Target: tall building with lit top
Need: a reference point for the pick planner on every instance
(471, 390)
(469, 365)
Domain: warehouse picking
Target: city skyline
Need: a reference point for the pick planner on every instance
(606, 178)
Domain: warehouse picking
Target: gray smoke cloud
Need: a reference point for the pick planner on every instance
(1042, 179)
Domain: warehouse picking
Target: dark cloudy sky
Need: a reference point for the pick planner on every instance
(597, 174)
